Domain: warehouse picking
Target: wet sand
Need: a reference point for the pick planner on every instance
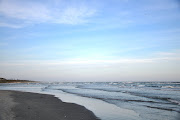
(32, 106)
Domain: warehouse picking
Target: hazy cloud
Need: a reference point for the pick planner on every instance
(164, 57)
(3, 44)
(2, 24)
(35, 12)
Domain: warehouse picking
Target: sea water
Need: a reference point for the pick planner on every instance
(114, 100)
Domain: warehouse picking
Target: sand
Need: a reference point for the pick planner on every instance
(6, 104)
(32, 106)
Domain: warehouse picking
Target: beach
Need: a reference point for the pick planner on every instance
(90, 101)
(33, 106)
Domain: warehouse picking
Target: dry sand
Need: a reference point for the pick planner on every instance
(32, 106)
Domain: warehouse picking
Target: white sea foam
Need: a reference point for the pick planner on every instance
(174, 101)
(111, 101)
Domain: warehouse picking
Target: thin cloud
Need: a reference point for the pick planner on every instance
(24, 11)
(3, 44)
(77, 62)
(2, 24)
(175, 53)
(91, 62)
(34, 12)
(162, 5)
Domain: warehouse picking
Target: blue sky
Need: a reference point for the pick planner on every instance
(97, 40)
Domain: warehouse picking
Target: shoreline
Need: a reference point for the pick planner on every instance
(17, 105)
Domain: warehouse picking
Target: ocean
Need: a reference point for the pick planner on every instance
(114, 100)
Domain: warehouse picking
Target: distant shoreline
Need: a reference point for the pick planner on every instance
(3, 80)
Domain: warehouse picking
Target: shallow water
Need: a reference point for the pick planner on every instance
(115, 100)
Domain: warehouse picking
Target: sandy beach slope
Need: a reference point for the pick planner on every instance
(32, 106)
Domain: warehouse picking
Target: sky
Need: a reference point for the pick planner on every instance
(90, 40)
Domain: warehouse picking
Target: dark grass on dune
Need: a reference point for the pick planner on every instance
(33, 106)
(3, 80)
